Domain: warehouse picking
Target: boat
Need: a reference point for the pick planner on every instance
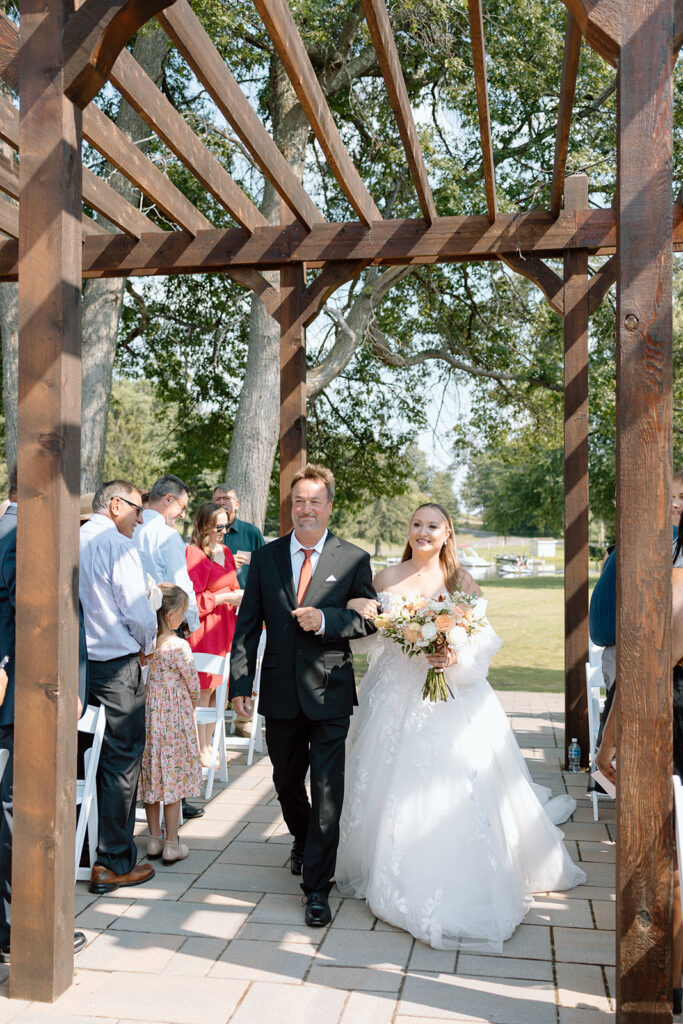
(516, 570)
(470, 558)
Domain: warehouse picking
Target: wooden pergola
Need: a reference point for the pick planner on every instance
(55, 63)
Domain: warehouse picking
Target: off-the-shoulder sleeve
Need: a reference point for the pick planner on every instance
(199, 569)
(188, 670)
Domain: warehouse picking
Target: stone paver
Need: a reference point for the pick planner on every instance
(220, 939)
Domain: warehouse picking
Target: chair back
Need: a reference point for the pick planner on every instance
(93, 721)
(594, 654)
(219, 665)
(594, 684)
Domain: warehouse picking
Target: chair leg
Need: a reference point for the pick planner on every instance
(595, 806)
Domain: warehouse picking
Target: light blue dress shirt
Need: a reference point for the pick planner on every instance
(162, 554)
(118, 616)
(296, 553)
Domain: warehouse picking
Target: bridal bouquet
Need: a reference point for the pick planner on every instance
(426, 626)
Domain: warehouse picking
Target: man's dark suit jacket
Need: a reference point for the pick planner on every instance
(301, 671)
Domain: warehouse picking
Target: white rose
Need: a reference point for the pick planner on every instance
(456, 637)
(429, 631)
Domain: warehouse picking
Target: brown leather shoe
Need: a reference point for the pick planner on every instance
(104, 880)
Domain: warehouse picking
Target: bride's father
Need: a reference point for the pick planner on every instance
(299, 586)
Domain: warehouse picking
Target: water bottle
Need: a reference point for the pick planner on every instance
(574, 756)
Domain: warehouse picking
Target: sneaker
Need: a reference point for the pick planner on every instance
(155, 846)
(174, 851)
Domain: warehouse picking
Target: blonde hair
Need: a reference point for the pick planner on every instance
(450, 566)
(204, 523)
(313, 472)
(173, 598)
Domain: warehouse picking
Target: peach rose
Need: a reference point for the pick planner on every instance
(411, 633)
(444, 622)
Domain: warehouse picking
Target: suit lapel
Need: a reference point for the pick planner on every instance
(324, 568)
(283, 561)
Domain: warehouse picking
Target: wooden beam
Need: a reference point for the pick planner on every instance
(290, 48)
(331, 277)
(9, 218)
(645, 851)
(570, 68)
(481, 84)
(125, 156)
(600, 24)
(385, 47)
(188, 34)
(450, 239)
(116, 147)
(256, 282)
(601, 282)
(94, 36)
(292, 386)
(138, 89)
(96, 192)
(575, 295)
(541, 275)
(49, 486)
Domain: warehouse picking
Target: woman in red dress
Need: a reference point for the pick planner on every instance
(212, 571)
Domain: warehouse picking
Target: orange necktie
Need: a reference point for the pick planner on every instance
(306, 574)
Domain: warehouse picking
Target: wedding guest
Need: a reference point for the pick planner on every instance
(171, 768)
(212, 571)
(242, 538)
(120, 626)
(162, 553)
(8, 568)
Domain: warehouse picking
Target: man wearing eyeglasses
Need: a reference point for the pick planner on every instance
(119, 626)
(162, 553)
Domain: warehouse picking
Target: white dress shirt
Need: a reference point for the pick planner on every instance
(118, 616)
(162, 554)
(296, 553)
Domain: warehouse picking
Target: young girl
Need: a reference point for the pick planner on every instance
(170, 763)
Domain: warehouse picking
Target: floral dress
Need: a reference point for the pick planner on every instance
(171, 768)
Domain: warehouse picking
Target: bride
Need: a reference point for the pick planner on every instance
(442, 831)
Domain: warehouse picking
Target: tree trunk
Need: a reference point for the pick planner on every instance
(9, 326)
(103, 299)
(256, 431)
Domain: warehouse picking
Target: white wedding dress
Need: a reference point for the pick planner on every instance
(443, 832)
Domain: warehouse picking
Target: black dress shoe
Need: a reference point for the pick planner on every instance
(79, 943)
(191, 810)
(318, 911)
(296, 861)
(678, 1000)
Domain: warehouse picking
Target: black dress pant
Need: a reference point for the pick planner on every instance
(118, 686)
(294, 746)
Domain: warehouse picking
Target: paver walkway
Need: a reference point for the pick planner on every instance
(220, 937)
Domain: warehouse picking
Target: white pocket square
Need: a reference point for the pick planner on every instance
(331, 579)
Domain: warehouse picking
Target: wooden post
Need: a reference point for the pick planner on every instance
(48, 496)
(292, 385)
(576, 479)
(644, 429)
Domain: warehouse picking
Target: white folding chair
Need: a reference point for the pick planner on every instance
(255, 740)
(92, 721)
(594, 688)
(594, 654)
(218, 665)
(678, 822)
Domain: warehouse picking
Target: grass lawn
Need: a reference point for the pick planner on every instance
(527, 614)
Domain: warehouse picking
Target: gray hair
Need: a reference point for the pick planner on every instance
(111, 489)
(167, 484)
(226, 488)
